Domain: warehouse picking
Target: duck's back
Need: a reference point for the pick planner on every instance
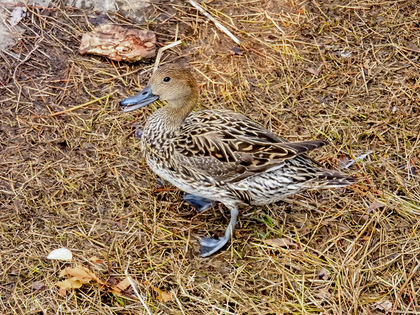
(222, 154)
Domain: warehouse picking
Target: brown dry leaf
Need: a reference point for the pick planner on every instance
(281, 242)
(96, 260)
(62, 292)
(162, 296)
(343, 160)
(121, 286)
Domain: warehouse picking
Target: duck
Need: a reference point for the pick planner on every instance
(221, 156)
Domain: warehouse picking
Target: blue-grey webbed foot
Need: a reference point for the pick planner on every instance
(138, 133)
(199, 203)
(160, 182)
(210, 245)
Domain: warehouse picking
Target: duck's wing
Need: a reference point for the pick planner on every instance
(226, 146)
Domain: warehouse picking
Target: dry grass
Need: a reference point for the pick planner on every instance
(78, 180)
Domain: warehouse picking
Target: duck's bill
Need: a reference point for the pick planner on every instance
(143, 98)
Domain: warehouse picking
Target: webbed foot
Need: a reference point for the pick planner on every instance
(199, 203)
(210, 245)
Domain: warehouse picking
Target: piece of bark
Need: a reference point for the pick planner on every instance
(119, 43)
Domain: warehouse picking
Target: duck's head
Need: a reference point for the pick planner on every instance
(173, 84)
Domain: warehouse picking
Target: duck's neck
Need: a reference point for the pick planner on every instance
(172, 116)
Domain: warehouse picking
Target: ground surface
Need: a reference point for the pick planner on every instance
(346, 71)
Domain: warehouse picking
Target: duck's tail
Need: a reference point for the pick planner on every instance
(330, 179)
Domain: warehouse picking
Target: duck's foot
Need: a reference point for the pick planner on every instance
(199, 203)
(210, 245)
(138, 133)
(160, 182)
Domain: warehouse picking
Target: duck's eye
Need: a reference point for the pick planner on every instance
(166, 79)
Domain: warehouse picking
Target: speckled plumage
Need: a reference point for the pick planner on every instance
(221, 155)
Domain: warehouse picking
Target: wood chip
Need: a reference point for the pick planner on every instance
(119, 43)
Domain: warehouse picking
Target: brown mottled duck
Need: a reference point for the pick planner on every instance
(220, 155)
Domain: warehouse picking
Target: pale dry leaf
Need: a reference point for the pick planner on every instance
(165, 297)
(17, 15)
(324, 274)
(38, 285)
(281, 242)
(118, 288)
(78, 277)
(96, 260)
(373, 206)
(383, 306)
(60, 254)
(82, 274)
(123, 285)
(323, 295)
(62, 292)
(72, 283)
(313, 71)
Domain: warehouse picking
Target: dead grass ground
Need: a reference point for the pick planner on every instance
(346, 71)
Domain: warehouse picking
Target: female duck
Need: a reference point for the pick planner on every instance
(219, 155)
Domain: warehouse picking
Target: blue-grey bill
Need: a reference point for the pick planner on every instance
(143, 98)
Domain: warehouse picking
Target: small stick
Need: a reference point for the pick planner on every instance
(160, 52)
(80, 106)
(217, 23)
(134, 286)
(402, 289)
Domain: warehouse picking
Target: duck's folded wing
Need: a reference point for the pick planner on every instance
(225, 148)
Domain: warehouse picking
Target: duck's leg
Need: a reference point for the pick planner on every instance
(210, 245)
(199, 203)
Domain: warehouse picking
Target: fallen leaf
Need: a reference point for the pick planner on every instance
(96, 260)
(411, 167)
(119, 43)
(118, 288)
(374, 205)
(61, 254)
(324, 274)
(162, 296)
(236, 51)
(123, 285)
(81, 273)
(80, 276)
(17, 15)
(38, 285)
(62, 292)
(281, 242)
(343, 160)
(323, 295)
(313, 71)
(72, 283)
(383, 306)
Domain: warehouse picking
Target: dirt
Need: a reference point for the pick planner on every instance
(342, 71)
